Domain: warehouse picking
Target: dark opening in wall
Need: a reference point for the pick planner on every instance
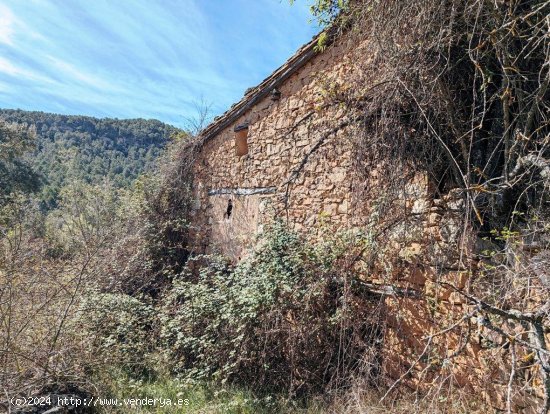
(241, 139)
(229, 210)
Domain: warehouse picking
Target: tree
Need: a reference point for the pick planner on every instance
(16, 174)
(80, 148)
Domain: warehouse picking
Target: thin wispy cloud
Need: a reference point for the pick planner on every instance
(70, 71)
(142, 58)
(7, 23)
(10, 70)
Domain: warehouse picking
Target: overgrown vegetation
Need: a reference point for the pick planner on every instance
(458, 90)
(290, 318)
(104, 293)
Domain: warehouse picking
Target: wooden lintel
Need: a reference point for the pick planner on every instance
(390, 290)
(242, 191)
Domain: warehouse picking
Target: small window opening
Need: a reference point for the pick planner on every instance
(241, 139)
(275, 94)
(229, 210)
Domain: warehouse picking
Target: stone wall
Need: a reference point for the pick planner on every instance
(280, 135)
(237, 194)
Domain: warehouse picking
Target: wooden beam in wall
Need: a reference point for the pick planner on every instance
(242, 191)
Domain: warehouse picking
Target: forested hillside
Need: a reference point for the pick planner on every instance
(88, 149)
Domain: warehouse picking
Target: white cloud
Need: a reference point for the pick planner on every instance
(73, 72)
(7, 23)
(8, 68)
(141, 57)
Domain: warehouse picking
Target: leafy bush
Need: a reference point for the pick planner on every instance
(289, 317)
(118, 329)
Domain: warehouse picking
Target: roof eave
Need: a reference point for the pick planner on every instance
(299, 59)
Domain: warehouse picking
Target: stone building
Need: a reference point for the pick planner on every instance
(264, 156)
(281, 151)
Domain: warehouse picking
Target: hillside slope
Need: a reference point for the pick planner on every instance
(74, 147)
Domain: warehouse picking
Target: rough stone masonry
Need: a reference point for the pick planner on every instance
(280, 151)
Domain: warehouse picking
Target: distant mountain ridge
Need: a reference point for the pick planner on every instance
(74, 147)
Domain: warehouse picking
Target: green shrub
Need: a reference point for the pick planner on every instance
(288, 318)
(118, 329)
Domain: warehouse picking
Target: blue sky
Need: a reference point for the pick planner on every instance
(142, 58)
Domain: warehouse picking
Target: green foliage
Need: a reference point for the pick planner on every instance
(16, 173)
(201, 397)
(167, 203)
(15, 140)
(279, 320)
(117, 328)
(20, 219)
(80, 148)
(326, 11)
(88, 216)
(18, 212)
